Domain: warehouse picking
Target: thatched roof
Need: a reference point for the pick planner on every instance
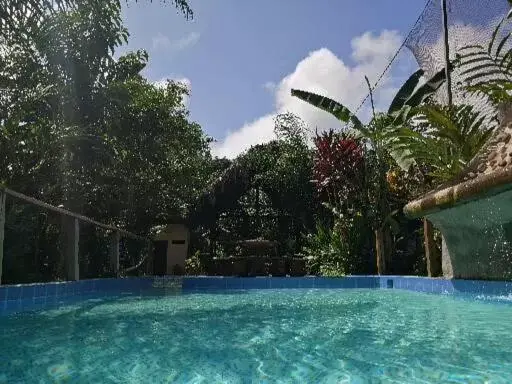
(237, 179)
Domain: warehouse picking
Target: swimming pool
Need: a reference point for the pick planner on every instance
(305, 335)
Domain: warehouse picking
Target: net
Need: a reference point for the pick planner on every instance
(469, 23)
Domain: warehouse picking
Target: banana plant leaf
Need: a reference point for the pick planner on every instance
(331, 106)
(405, 91)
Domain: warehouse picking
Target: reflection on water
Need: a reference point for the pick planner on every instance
(271, 336)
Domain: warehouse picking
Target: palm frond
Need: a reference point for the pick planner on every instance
(487, 70)
(452, 137)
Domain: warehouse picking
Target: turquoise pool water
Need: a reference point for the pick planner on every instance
(262, 336)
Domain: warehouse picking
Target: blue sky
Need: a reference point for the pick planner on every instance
(241, 57)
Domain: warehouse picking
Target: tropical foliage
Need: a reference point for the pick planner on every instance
(442, 139)
(375, 139)
(487, 70)
(83, 129)
(265, 192)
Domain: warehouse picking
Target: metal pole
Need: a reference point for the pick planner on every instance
(447, 53)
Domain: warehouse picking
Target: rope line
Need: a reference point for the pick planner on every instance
(394, 56)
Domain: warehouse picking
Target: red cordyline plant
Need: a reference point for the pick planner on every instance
(338, 165)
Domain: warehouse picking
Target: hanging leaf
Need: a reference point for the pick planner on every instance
(405, 91)
(331, 106)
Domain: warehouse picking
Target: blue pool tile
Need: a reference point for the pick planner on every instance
(12, 305)
(37, 296)
(60, 289)
(364, 282)
(113, 284)
(204, 283)
(306, 282)
(255, 282)
(497, 288)
(106, 285)
(51, 300)
(409, 284)
(322, 282)
(146, 283)
(40, 290)
(283, 282)
(462, 286)
(404, 283)
(412, 284)
(441, 286)
(350, 282)
(27, 304)
(333, 282)
(233, 283)
(81, 287)
(51, 289)
(418, 285)
(100, 285)
(13, 292)
(196, 283)
(211, 283)
(3, 295)
(27, 292)
(40, 302)
(423, 285)
(373, 281)
(188, 283)
(73, 288)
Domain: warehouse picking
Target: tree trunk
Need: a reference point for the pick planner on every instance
(432, 255)
(379, 251)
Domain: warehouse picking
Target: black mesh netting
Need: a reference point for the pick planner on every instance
(470, 22)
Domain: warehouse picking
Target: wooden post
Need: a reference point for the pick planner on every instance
(71, 235)
(431, 254)
(2, 225)
(379, 251)
(115, 237)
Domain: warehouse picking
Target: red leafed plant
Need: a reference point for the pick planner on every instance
(338, 164)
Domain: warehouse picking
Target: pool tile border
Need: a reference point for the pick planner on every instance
(27, 297)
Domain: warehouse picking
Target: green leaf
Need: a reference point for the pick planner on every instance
(427, 89)
(326, 104)
(405, 92)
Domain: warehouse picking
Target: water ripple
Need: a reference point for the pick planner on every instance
(273, 336)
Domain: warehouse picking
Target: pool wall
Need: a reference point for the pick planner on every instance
(26, 297)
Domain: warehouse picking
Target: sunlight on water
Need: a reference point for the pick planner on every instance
(272, 336)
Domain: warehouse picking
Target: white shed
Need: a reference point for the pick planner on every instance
(171, 248)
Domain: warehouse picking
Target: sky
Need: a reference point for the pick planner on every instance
(241, 58)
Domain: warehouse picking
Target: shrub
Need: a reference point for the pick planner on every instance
(193, 265)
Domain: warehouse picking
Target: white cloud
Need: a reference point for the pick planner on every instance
(188, 41)
(183, 80)
(269, 86)
(163, 43)
(324, 73)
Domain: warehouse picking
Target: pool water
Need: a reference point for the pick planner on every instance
(262, 336)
